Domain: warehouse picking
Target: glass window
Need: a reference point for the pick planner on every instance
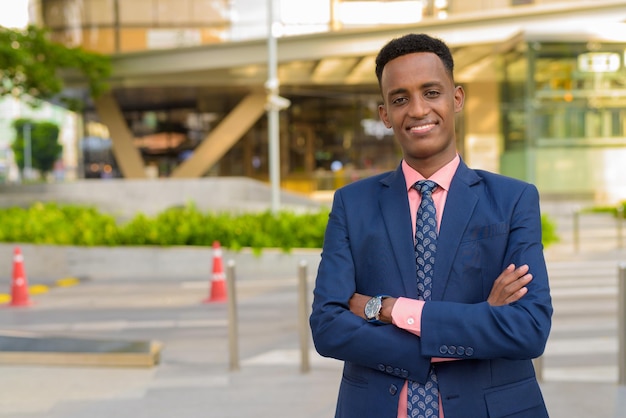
(513, 98)
(580, 94)
(576, 95)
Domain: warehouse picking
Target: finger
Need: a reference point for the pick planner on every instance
(521, 270)
(508, 270)
(506, 276)
(509, 277)
(519, 283)
(518, 289)
(517, 295)
(511, 292)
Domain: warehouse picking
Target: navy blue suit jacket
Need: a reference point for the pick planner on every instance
(489, 222)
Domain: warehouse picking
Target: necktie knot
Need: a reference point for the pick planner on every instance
(425, 186)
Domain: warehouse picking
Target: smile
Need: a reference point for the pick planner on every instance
(420, 129)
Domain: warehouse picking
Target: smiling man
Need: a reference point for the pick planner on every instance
(432, 286)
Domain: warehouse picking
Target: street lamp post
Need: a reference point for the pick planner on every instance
(274, 105)
(28, 159)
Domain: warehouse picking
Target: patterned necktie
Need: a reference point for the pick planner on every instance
(424, 399)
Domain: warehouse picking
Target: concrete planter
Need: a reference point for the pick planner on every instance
(51, 262)
(27, 348)
(125, 199)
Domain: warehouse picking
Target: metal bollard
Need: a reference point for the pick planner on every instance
(576, 231)
(233, 333)
(303, 305)
(620, 226)
(621, 324)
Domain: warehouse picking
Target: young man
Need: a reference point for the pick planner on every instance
(440, 326)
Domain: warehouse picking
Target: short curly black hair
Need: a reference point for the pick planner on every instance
(413, 43)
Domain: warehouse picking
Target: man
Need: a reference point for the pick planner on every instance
(459, 343)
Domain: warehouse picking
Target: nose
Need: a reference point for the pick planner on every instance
(418, 107)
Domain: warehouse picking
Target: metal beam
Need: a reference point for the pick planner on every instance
(223, 137)
(489, 27)
(126, 154)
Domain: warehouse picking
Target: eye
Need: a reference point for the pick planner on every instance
(399, 101)
(432, 94)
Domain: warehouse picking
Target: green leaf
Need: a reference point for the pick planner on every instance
(31, 66)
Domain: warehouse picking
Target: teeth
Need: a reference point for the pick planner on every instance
(422, 128)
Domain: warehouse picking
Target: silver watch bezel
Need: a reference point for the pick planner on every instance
(373, 307)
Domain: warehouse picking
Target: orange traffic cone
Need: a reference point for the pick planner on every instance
(19, 285)
(218, 279)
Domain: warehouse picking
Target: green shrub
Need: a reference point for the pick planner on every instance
(548, 230)
(617, 210)
(55, 224)
(51, 223)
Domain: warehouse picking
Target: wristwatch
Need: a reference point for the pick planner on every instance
(373, 307)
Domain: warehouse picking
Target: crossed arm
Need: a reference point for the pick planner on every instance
(509, 287)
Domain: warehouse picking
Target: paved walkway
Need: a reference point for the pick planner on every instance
(193, 378)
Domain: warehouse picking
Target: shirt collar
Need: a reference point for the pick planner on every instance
(443, 176)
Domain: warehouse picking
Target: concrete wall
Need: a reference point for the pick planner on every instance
(46, 263)
(127, 197)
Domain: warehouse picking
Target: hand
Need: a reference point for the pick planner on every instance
(510, 286)
(357, 304)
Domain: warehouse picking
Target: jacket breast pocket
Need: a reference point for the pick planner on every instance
(480, 232)
(478, 262)
(481, 241)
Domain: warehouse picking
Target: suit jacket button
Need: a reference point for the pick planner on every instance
(405, 373)
(460, 350)
(389, 369)
(381, 367)
(393, 389)
(469, 351)
(443, 349)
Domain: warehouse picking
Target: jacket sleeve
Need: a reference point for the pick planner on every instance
(340, 334)
(516, 331)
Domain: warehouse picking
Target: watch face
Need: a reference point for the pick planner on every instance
(372, 308)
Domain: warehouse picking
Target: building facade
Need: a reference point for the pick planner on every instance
(546, 100)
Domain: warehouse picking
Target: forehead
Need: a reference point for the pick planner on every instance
(419, 67)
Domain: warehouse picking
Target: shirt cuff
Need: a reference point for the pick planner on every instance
(407, 315)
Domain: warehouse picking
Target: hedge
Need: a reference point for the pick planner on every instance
(55, 224)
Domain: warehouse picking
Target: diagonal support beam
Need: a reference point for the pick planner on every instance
(223, 137)
(126, 154)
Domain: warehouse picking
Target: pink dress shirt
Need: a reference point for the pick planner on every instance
(407, 313)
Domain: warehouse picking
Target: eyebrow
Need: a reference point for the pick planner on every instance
(397, 91)
(401, 90)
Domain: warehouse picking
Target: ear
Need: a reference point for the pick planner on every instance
(459, 99)
(382, 112)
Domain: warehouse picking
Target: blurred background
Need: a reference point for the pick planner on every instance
(545, 83)
(208, 103)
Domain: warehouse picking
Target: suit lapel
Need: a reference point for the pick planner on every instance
(458, 210)
(397, 219)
